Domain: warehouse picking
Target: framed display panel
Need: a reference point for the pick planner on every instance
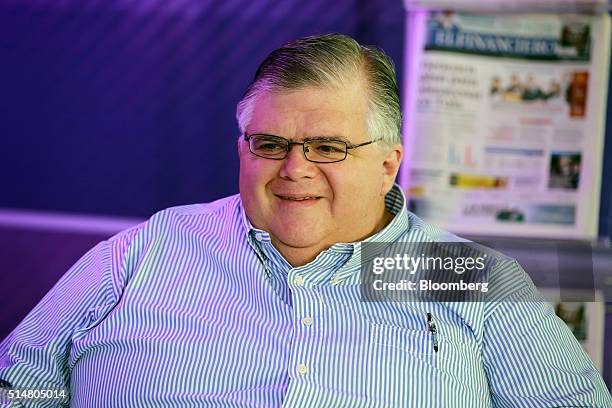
(504, 121)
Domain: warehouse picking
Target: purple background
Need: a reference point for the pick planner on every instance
(107, 108)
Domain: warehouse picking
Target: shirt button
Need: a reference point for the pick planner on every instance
(299, 280)
(307, 321)
(302, 369)
(259, 237)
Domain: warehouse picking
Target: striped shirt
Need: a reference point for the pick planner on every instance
(195, 307)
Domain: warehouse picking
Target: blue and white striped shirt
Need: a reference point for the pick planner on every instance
(196, 308)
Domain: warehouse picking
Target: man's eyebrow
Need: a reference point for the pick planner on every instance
(318, 137)
(328, 137)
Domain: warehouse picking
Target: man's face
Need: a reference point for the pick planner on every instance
(338, 202)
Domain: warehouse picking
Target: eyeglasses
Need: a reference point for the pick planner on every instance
(318, 150)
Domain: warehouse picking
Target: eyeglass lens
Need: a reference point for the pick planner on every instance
(317, 150)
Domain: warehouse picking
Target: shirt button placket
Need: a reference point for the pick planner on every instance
(304, 309)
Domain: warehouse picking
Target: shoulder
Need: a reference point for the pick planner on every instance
(222, 212)
(216, 209)
(506, 279)
(422, 231)
(430, 232)
(172, 227)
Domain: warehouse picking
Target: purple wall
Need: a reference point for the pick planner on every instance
(124, 108)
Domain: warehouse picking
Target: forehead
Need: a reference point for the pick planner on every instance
(311, 111)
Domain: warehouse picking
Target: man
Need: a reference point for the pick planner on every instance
(254, 300)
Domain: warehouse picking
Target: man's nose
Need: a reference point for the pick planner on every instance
(296, 166)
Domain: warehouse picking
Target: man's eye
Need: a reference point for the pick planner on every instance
(329, 148)
(270, 146)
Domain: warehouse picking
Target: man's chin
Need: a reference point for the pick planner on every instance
(299, 240)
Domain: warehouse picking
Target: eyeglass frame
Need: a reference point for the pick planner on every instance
(349, 146)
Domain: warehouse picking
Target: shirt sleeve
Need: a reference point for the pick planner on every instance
(531, 357)
(36, 355)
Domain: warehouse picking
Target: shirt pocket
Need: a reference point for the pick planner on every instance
(418, 342)
(398, 326)
(385, 352)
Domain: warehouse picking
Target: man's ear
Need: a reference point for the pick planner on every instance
(238, 145)
(391, 165)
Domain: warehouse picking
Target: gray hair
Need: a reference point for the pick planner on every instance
(330, 60)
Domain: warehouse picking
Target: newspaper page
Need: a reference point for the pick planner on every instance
(504, 122)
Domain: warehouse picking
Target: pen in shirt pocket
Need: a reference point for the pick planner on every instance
(433, 330)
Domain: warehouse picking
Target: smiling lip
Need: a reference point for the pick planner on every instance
(298, 197)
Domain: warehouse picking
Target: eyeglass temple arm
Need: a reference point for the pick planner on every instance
(353, 146)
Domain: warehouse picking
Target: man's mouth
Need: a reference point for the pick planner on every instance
(298, 198)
